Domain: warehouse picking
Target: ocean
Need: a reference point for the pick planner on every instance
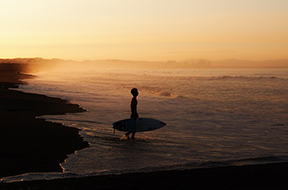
(214, 117)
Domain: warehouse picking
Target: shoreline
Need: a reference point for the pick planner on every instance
(250, 177)
(30, 144)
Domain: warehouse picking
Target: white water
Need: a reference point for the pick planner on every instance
(214, 117)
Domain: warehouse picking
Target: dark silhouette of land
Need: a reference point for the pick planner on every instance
(39, 64)
(29, 144)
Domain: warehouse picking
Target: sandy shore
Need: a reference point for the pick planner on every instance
(29, 144)
(261, 177)
(34, 145)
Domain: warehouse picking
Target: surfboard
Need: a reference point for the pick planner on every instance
(138, 125)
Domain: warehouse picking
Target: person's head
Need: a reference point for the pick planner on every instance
(134, 92)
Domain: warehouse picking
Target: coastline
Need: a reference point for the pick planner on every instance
(20, 128)
(29, 144)
(251, 177)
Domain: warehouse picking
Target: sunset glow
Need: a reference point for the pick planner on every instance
(157, 30)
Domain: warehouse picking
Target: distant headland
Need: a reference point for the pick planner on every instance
(40, 64)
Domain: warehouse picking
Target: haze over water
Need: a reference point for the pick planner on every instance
(215, 117)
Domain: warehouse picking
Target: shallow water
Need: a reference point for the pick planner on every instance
(215, 117)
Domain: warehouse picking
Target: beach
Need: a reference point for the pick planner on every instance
(35, 145)
(262, 177)
(29, 144)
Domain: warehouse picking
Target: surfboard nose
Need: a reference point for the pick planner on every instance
(162, 124)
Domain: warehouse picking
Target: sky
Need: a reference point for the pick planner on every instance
(148, 30)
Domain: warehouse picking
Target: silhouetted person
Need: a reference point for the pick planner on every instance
(133, 105)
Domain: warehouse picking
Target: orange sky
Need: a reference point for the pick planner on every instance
(155, 30)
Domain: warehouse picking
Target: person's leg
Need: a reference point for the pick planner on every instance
(127, 135)
(133, 135)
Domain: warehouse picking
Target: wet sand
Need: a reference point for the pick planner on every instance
(34, 145)
(261, 177)
(29, 144)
